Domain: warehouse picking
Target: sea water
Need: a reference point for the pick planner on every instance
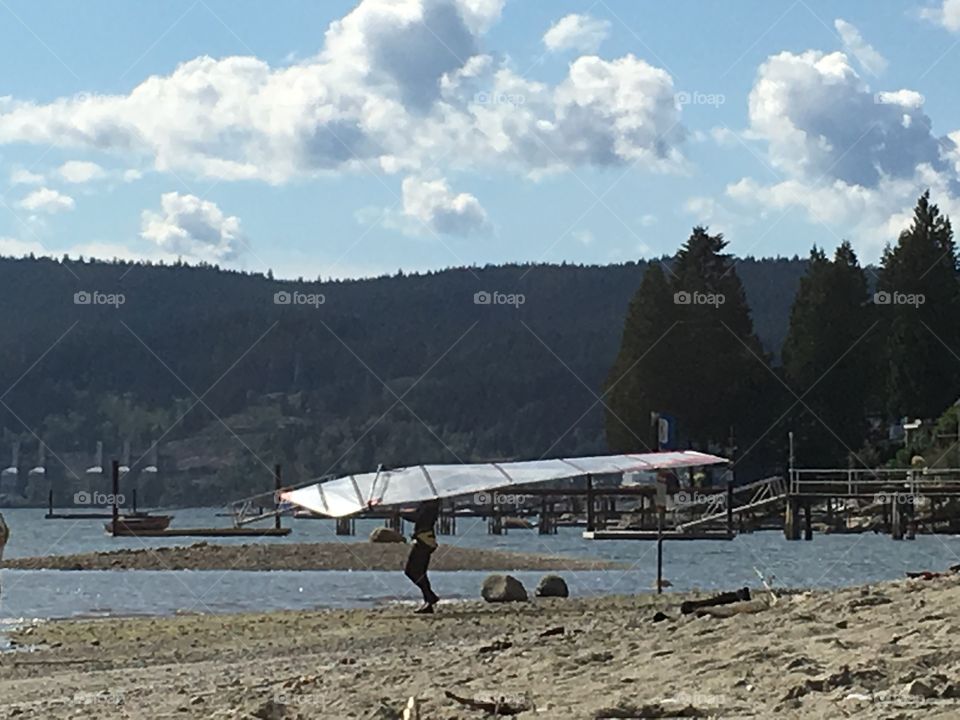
(826, 561)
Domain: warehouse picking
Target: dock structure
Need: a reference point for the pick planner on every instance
(898, 493)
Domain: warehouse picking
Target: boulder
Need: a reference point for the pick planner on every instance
(386, 535)
(503, 588)
(552, 586)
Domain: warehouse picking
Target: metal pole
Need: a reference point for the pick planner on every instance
(659, 554)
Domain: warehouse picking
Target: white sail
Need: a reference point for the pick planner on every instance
(401, 486)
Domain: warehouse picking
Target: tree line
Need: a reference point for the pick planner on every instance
(865, 348)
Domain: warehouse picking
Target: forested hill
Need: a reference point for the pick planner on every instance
(399, 369)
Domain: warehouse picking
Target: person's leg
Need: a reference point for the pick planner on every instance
(416, 569)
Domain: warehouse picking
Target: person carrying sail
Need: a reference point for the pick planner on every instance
(424, 520)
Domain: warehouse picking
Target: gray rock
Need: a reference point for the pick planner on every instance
(918, 688)
(503, 588)
(552, 586)
(386, 535)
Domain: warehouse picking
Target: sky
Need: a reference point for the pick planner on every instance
(344, 139)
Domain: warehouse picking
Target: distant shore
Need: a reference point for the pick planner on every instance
(884, 651)
(302, 556)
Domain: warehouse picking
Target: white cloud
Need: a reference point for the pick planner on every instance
(47, 201)
(648, 220)
(946, 14)
(853, 160)
(132, 175)
(394, 88)
(576, 32)
(20, 176)
(870, 60)
(81, 171)
(12, 247)
(193, 228)
(432, 203)
(584, 237)
(723, 136)
(821, 120)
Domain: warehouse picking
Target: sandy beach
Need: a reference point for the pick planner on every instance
(887, 651)
(301, 556)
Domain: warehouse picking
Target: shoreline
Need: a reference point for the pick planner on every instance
(356, 557)
(884, 650)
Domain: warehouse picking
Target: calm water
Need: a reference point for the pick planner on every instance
(827, 561)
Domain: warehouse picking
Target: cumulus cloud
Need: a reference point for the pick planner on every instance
(432, 203)
(190, 227)
(48, 201)
(576, 32)
(81, 171)
(870, 60)
(853, 159)
(398, 86)
(821, 120)
(947, 14)
(12, 247)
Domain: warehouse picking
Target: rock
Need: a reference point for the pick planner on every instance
(386, 535)
(660, 617)
(552, 586)
(503, 588)
(918, 688)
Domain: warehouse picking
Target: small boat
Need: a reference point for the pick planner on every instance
(135, 524)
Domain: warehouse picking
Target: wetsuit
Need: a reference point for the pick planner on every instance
(424, 543)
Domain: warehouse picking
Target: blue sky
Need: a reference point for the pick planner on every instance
(420, 134)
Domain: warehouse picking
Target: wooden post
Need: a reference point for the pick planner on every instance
(807, 524)
(896, 517)
(590, 520)
(134, 493)
(277, 485)
(50, 502)
(791, 530)
(115, 475)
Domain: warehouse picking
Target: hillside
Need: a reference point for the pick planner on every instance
(398, 369)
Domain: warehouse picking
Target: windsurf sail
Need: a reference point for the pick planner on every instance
(354, 494)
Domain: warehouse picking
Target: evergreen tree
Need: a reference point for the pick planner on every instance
(827, 357)
(632, 391)
(917, 303)
(707, 367)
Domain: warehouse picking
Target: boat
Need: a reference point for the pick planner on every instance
(135, 524)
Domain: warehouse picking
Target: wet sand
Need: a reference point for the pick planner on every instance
(303, 556)
(887, 651)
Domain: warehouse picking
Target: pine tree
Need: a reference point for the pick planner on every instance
(917, 303)
(827, 357)
(631, 391)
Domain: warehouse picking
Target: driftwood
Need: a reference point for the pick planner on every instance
(725, 598)
(495, 705)
(739, 608)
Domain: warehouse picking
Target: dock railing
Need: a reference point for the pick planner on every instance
(860, 483)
